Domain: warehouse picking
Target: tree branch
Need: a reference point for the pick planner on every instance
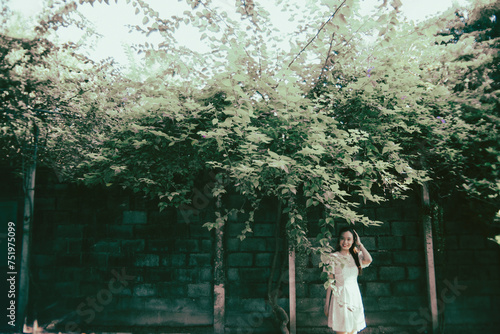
(321, 28)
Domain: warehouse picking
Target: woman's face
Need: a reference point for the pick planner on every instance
(346, 240)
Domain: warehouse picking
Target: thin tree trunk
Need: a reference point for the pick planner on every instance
(429, 257)
(272, 294)
(292, 294)
(29, 201)
(219, 287)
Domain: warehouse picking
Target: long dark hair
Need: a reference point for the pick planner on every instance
(353, 250)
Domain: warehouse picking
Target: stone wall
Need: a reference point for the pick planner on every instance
(108, 258)
(104, 258)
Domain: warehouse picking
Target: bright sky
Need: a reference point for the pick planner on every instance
(112, 20)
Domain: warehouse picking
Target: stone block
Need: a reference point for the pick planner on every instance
(187, 214)
(233, 244)
(487, 257)
(309, 320)
(206, 246)
(315, 260)
(199, 290)
(472, 242)
(67, 203)
(413, 243)
(409, 257)
(249, 322)
(150, 231)
(186, 275)
(74, 245)
(95, 259)
(104, 246)
(240, 260)
(468, 302)
(460, 257)
(69, 231)
(381, 258)
(301, 290)
(174, 260)
(264, 230)
(415, 273)
(158, 275)
(41, 260)
(393, 303)
(375, 319)
(135, 217)
(370, 303)
(384, 229)
(390, 243)
(133, 246)
(165, 217)
(391, 273)
(68, 260)
(263, 259)
(408, 288)
(369, 242)
(233, 274)
(451, 242)
(66, 288)
(401, 228)
(120, 260)
(254, 274)
(234, 229)
(187, 246)
(144, 290)
(265, 215)
(46, 203)
(48, 274)
(389, 213)
(206, 275)
(198, 231)
(310, 305)
(310, 275)
(247, 305)
(251, 290)
(171, 290)
(369, 274)
(157, 245)
(146, 260)
(317, 291)
(120, 231)
(376, 289)
(200, 260)
(253, 244)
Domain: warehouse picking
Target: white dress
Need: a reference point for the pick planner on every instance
(346, 312)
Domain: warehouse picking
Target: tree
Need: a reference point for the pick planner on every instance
(50, 99)
(350, 112)
(251, 121)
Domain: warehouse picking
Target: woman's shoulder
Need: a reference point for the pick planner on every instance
(336, 254)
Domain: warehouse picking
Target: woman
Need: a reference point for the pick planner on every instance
(344, 307)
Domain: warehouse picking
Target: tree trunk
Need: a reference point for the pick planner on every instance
(292, 294)
(280, 314)
(219, 287)
(29, 201)
(429, 256)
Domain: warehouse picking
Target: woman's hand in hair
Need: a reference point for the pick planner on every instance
(358, 240)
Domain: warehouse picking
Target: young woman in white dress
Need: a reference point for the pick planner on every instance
(344, 307)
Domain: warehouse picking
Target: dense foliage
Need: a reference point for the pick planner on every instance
(343, 110)
(350, 112)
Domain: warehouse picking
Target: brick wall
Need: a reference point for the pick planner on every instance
(107, 258)
(103, 257)
(248, 265)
